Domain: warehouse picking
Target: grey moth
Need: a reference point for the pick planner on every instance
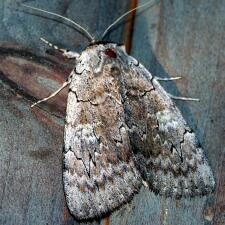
(123, 129)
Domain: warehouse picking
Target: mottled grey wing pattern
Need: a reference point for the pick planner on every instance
(122, 127)
(99, 173)
(167, 152)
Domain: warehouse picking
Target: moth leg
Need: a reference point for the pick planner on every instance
(53, 94)
(66, 53)
(183, 98)
(172, 96)
(167, 79)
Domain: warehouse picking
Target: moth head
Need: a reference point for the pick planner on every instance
(98, 71)
(100, 58)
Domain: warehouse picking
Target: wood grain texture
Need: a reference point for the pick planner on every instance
(30, 163)
(173, 38)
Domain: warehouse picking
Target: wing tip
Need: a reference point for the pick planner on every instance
(86, 204)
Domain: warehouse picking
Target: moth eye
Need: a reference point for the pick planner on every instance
(109, 52)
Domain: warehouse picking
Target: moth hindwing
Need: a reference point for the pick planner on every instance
(122, 128)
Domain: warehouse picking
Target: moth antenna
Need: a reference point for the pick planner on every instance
(84, 31)
(125, 14)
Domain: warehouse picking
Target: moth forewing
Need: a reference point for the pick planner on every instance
(100, 174)
(167, 151)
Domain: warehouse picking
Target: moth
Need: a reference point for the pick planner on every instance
(123, 129)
